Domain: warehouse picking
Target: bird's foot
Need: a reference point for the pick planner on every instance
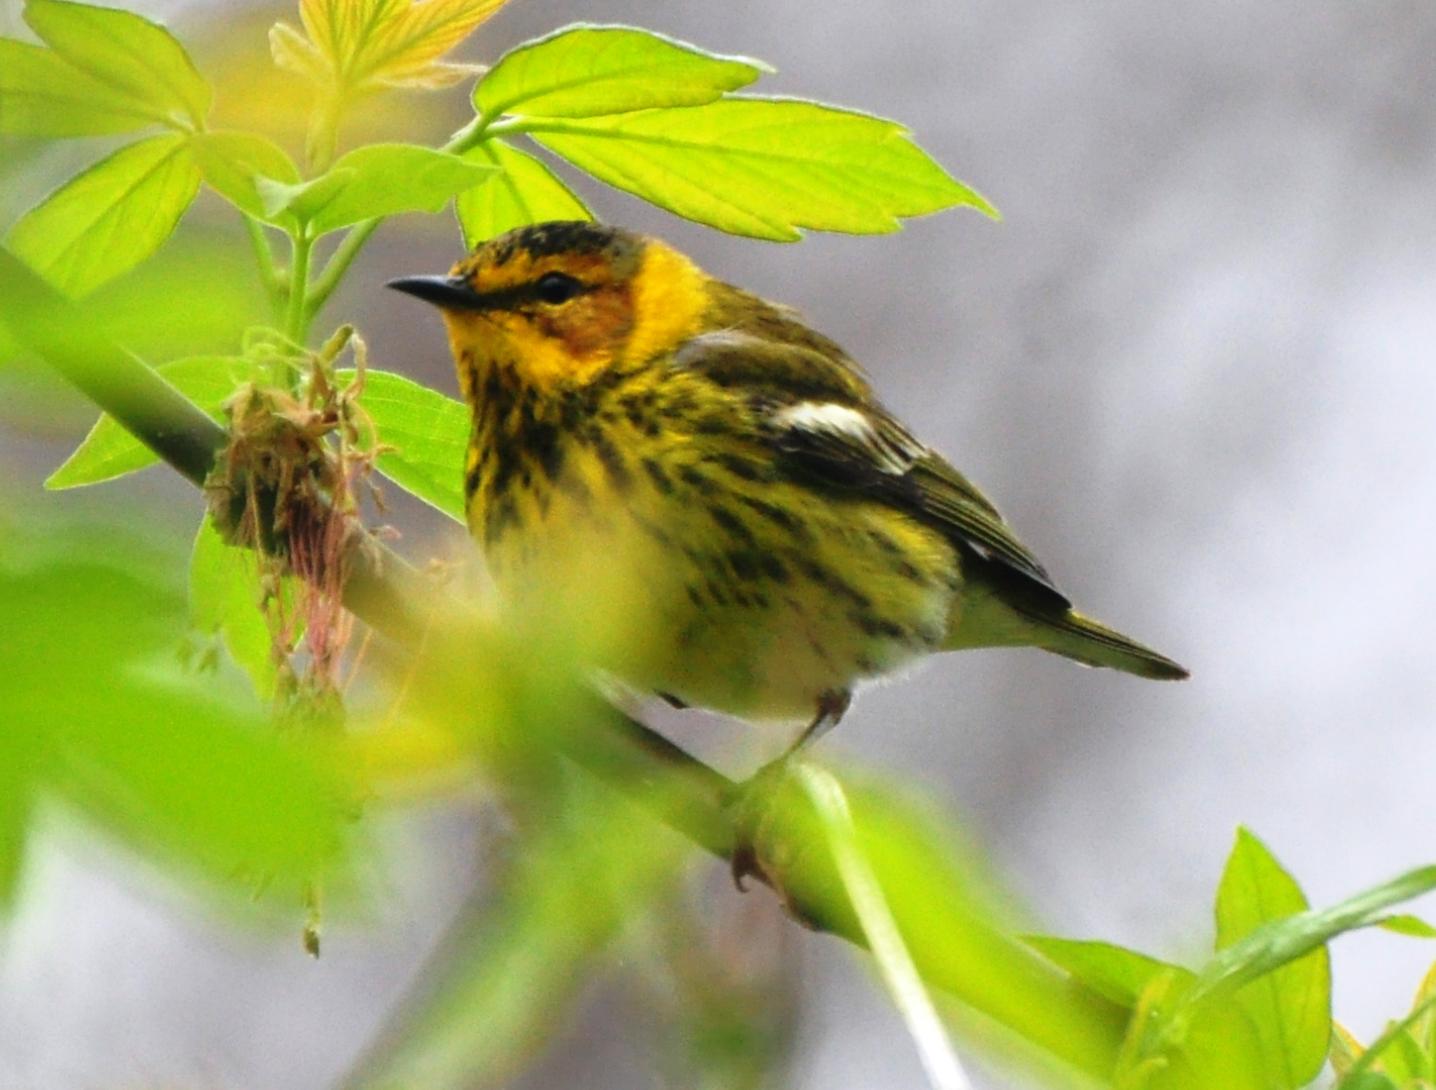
(760, 851)
(751, 809)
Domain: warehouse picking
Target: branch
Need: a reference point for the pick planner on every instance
(978, 965)
(338, 264)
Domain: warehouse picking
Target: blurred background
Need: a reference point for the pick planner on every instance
(1193, 366)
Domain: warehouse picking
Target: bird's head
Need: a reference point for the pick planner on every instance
(563, 302)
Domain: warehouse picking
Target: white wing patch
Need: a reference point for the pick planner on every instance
(852, 430)
(827, 416)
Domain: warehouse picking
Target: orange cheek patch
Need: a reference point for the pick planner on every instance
(593, 323)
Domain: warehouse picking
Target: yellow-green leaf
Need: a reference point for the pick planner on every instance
(1290, 1006)
(136, 57)
(41, 95)
(351, 45)
(429, 433)
(16, 799)
(107, 220)
(1345, 1049)
(233, 162)
(109, 451)
(1404, 923)
(224, 599)
(377, 180)
(585, 70)
(99, 716)
(295, 53)
(763, 167)
(1113, 972)
(523, 191)
(1370, 1080)
(1423, 1026)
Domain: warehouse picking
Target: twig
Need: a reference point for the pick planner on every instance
(296, 321)
(338, 264)
(1033, 998)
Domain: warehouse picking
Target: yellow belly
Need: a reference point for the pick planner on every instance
(688, 577)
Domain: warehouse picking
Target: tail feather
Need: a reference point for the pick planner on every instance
(1091, 642)
(984, 618)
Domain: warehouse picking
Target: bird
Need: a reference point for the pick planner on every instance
(656, 449)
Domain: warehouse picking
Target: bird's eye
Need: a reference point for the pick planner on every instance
(557, 287)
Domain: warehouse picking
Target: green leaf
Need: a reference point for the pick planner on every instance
(234, 162)
(293, 52)
(1213, 1046)
(109, 451)
(138, 58)
(197, 296)
(377, 180)
(41, 95)
(1369, 1080)
(16, 799)
(289, 205)
(224, 600)
(98, 717)
(1113, 972)
(763, 167)
(1423, 1017)
(523, 191)
(585, 70)
(110, 218)
(1291, 1005)
(1398, 1055)
(1275, 944)
(1345, 1049)
(430, 434)
(1406, 924)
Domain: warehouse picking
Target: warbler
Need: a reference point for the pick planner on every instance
(783, 535)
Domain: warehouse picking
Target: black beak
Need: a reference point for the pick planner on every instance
(450, 292)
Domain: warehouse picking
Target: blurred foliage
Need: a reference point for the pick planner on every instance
(101, 717)
(1403, 1056)
(121, 698)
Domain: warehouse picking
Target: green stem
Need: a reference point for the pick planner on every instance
(470, 136)
(296, 322)
(268, 271)
(338, 264)
(323, 137)
(512, 125)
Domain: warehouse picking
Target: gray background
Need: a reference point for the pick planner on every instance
(1194, 368)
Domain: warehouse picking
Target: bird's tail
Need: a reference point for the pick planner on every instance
(987, 619)
(1093, 643)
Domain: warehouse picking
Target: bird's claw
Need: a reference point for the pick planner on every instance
(755, 855)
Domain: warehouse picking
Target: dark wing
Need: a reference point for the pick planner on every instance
(866, 450)
(772, 369)
(825, 427)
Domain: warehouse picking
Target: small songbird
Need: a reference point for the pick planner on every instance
(781, 534)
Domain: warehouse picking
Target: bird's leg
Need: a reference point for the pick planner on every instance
(832, 706)
(752, 803)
